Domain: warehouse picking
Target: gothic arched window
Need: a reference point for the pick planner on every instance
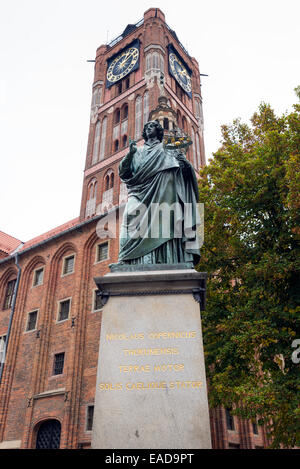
(124, 141)
(125, 111)
(112, 180)
(91, 198)
(116, 116)
(116, 145)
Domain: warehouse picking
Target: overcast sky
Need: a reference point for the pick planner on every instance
(249, 49)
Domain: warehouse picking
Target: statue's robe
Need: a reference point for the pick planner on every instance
(154, 176)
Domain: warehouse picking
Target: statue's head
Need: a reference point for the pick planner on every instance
(157, 129)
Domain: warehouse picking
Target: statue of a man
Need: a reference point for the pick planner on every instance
(160, 218)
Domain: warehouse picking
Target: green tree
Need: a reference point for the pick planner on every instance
(250, 192)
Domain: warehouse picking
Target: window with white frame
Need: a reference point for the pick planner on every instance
(64, 307)
(38, 277)
(69, 262)
(31, 321)
(102, 252)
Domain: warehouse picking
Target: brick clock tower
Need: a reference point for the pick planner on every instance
(145, 72)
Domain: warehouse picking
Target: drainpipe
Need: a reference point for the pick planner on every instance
(13, 304)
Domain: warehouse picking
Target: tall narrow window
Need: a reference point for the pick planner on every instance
(156, 60)
(179, 121)
(2, 348)
(198, 149)
(96, 143)
(63, 310)
(146, 107)
(69, 265)
(102, 252)
(194, 149)
(119, 88)
(116, 116)
(91, 201)
(138, 118)
(112, 180)
(255, 428)
(38, 277)
(124, 141)
(98, 303)
(89, 418)
(58, 364)
(148, 62)
(31, 321)
(107, 182)
(96, 97)
(9, 294)
(229, 419)
(116, 145)
(103, 138)
(162, 64)
(125, 111)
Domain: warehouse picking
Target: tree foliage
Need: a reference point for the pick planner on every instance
(250, 192)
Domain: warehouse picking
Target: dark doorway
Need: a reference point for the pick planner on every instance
(48, 436)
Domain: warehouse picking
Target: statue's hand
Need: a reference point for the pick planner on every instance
(180, 157)
(132, 148)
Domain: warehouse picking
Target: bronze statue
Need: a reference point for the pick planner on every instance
(160, 219)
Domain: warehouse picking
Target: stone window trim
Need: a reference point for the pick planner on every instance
(27, 331)
(94, 300)
(34, 277)
(58, 321)
(68, 256)
(97, 249)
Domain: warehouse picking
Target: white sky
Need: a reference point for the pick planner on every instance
(249, 49)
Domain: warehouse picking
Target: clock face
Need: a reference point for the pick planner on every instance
(180, 73)
(122, 64)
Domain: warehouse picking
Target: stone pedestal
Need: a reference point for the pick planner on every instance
(151, 386)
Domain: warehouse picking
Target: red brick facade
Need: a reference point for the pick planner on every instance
(30, 392)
